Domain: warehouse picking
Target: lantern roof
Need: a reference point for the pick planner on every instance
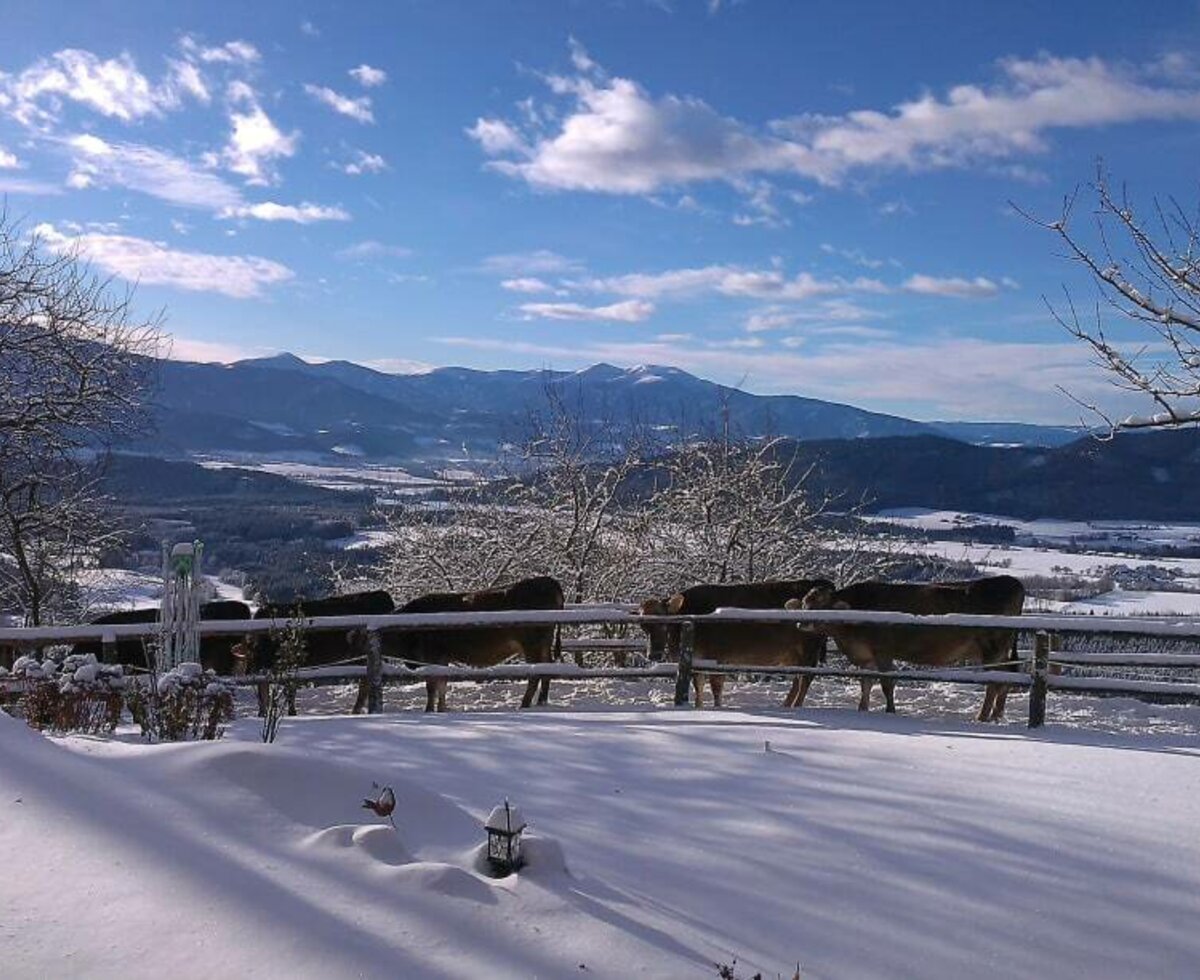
(506, 818)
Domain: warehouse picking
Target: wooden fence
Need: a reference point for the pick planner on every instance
(1035, 672)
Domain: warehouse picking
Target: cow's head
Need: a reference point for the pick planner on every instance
(657, 632)
(819, 597)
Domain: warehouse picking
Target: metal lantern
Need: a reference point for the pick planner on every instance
(504, 828)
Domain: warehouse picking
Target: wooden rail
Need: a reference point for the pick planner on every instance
(1037, 678)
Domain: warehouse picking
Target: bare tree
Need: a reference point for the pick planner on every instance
(728, 510)
(1147, 271)
(75, 371)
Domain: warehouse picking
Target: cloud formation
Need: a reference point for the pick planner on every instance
(301, 214)
(613, 136)
(358, 109)
(368, 77)
(978, 288)
(140, 260)
(629, 311)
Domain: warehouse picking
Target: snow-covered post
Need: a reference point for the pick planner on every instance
(683, 677)
(374, 672)
(180, 614)
(1037, 691)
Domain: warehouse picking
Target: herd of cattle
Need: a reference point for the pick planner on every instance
(871, 647)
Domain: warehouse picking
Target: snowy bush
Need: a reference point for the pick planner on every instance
(187, 703)
(76, 694)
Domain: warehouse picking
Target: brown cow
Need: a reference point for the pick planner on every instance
(482, 646)
(739, 643)
(876, 647)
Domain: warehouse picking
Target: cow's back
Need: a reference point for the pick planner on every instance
(750, 643)
(482, 646)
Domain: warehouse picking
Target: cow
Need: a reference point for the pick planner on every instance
(875, 647)
(217, 653)
(739, 643)
(483, 646)
(322, 647)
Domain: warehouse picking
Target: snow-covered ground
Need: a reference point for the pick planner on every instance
(665, 842)
(107, 589)
(1128, 535)
(317, 471)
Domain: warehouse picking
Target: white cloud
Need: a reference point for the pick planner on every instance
(368, 77)
(308, 28)
(497, 137)
(302, 214)
(526, 284)
(9, 160)
(112, 87)
(364, 163)
(148, 170)
(615, 137)
(629, 311)
(230, 53)
(728, 280)
(374, 250)
(857, 256)
(977, 288)
(538, 262)
(358, 109)
(255, 142)
(22, 185)
(153, 263)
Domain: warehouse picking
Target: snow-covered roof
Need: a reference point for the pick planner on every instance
(510, 821)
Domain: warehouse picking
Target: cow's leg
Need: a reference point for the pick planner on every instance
(442, 684)
(801, 686)
(716, 683)
(430, 694)
(889, 691)
(291, 702)
(530, 688)
(360, 700)
(544, 693)
(999, 703)
(864, 700)
(698, 689)
(989, 698)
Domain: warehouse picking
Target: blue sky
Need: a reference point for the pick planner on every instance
(795, 197)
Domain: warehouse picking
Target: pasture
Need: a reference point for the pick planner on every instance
(667, 841)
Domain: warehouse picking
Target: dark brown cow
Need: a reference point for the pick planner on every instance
(876, 647)
(739, 643)
(216, 652)
(324, 647)
(482, 646)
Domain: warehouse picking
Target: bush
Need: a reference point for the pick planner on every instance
(77, 695)
(187, 703)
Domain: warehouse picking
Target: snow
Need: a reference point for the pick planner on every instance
(661, 843)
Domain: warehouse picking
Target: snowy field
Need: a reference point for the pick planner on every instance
(664, 843)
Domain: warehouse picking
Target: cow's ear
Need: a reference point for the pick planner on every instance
(841, 604)
(815, 598)
(675, 603)
(793, 604)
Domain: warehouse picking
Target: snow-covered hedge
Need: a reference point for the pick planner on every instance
(74, 694)
(187, 703)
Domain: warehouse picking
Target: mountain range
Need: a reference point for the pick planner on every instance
(286, 405)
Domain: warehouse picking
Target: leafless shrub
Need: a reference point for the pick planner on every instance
(291, 651)
(74, 695)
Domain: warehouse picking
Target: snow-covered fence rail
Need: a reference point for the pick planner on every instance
(1038, 678)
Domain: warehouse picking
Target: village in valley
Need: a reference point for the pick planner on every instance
(669, 488)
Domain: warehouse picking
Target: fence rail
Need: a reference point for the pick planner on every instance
(1037, 677)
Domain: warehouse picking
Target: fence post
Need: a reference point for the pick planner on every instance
(683, 676)
(108, 648)
(1037, 690)
(374, 672)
